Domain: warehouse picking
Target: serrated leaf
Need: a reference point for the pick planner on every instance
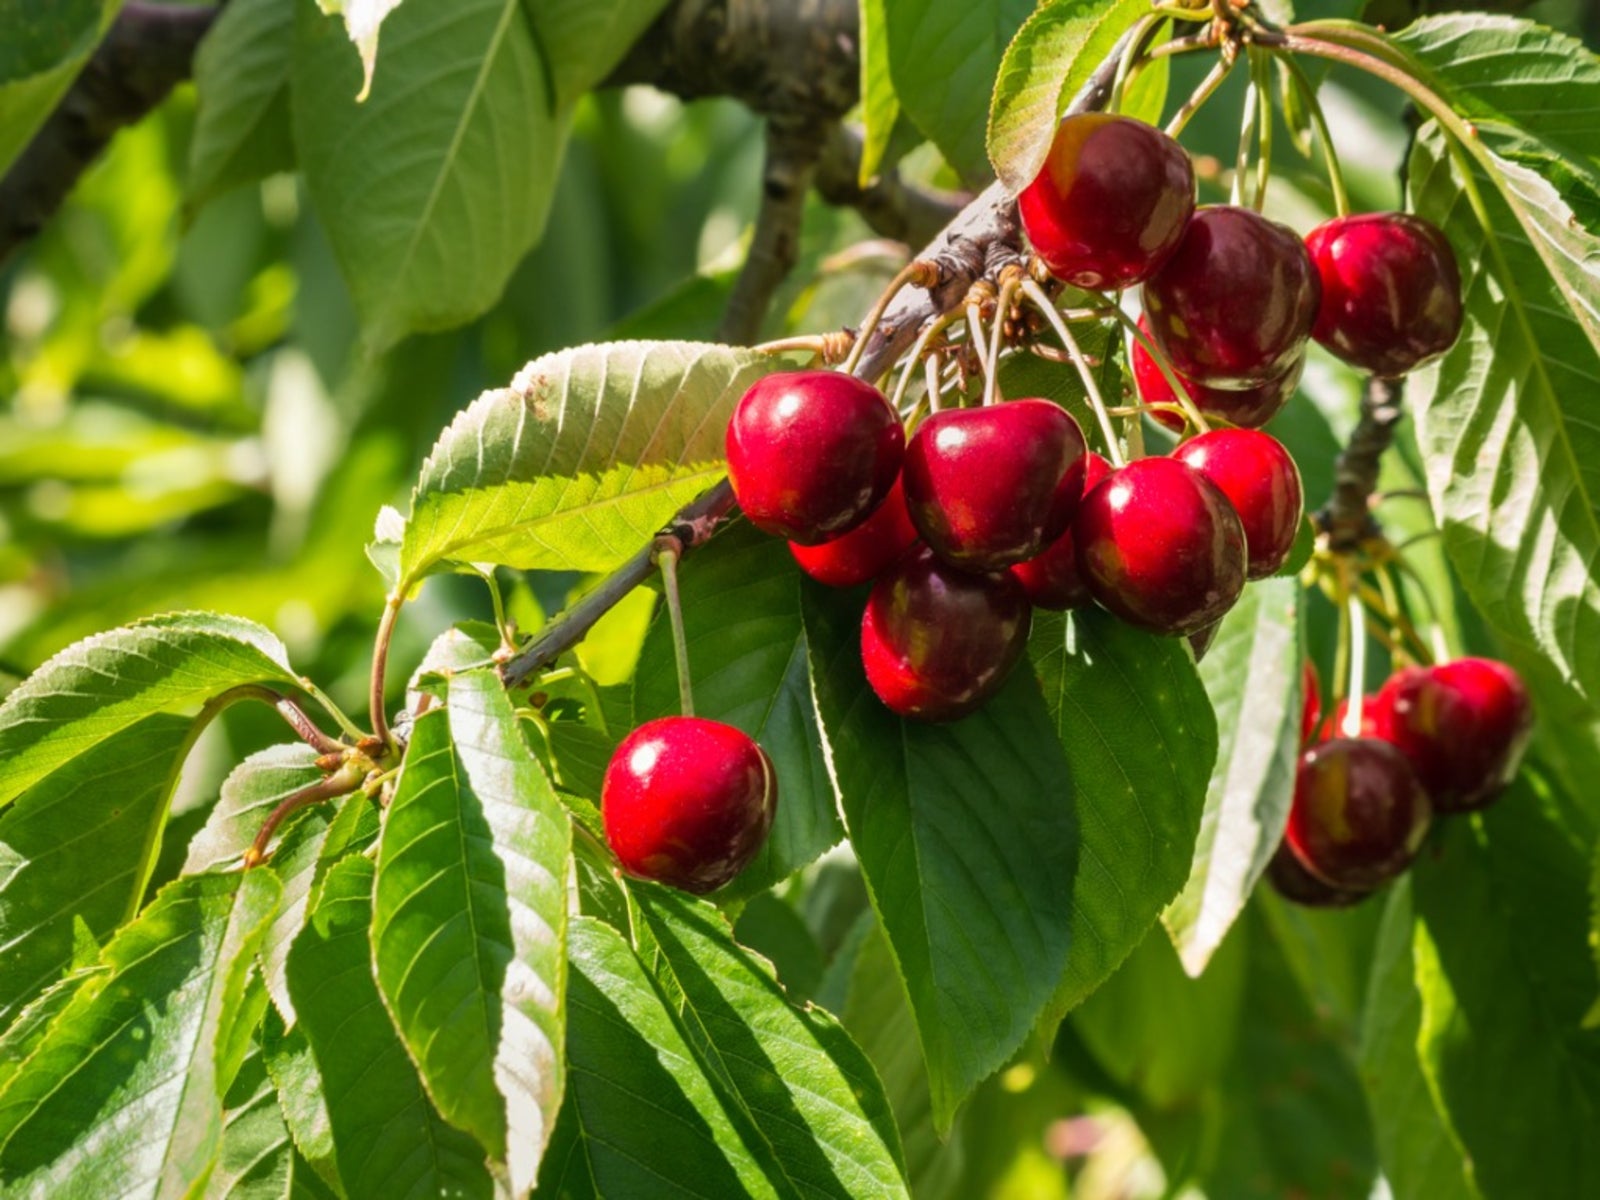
(966, 835)
(388, 1139)
(582, 41)
(640, 1118)
(293, 1069)
(747, 658)
(469, 922)
(28, 1030)
(45, 47)
(257, 1158)
(880, 107)
(1252, 674)
(580, 460)
(123, 1095)
(811, 1093)
(241, 76)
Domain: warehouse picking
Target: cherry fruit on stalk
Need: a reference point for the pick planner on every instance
(1110, 203)
(937, 641)
(812, 453)
(1291, 880)
(1463, 725)
(1234, 305)
(1160, 546)
(1391, 291)
(1052, 578)
(1247, 408)
(1359, 815)
(992, 486)
(687, 801)
(866, 551)
(1310, 701)
(1260, 480)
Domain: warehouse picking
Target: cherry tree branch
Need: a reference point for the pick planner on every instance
(1347, 516)
(785, 179)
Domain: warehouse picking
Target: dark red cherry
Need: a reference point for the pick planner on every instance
(1358, 815)
(1391, 290)
(812, 453)
(1110, 203)
(866, 551)
(1462, 724)
(992, 486)
(1310, 701)
(1292, 881)
(1247, 408)
(1161, 547)
(1051, 578)
(937, 641)
(1260, 480)
(1234, 305)
(687, 801)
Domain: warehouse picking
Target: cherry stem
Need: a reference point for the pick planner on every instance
(1394, 612)
(1261, 81)
(918, 271)
(933, 330)
(1319, 122)
(1180, 393)
(1437, 641)
(1199, 96)
(1358, 663)
(1034, 292)
(348, 778)
(935, 388)
(380, 663)
(980, 342)
(991, 382)
(667, 551)
(1247, 136)
(1143, 30)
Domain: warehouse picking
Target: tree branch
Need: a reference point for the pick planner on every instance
(894, 208)
(785, 179)
(1347, 516)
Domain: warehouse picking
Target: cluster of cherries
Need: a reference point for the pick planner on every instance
(1433, 740)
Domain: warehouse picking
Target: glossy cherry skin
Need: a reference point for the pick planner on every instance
(937, 641)
(687, 801)
(1248, 408)
(992, 486)
(812, 453)
(1462, 724)
(1310, 701)
(866, 551)
(1260, 480)
(1391, 291)
(1292, 881)
(1110, 203)
(1161, 547)
(1234, 305)
(1359, 815)
(1051, 578)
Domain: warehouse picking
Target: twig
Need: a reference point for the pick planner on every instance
(893, 207)
(785, 179)
(1347, 516)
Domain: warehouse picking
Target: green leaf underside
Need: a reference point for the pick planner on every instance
(98, 687)
(810, 1092)
(123, 1095)
(966, 835)
(241, 75)
(581, 41)
(388, 1139)
(469, 921)
(747, 658)
(1252, 676)
(641, 1118)
(581, 460)
(80, 846)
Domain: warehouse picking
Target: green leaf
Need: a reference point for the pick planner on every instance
(641, 1118)
(810, 1091)
(79, 847)
(581, 41)
(880, 107)
(943, 58)
(103, 684)
(45, 47)
(579, 461)
(123, 1095)
(388, 1139)
(1252, 675)
(257, 1159)
(362, 21)
(28, 1030)
(469, 922)
(747, 658)
(250, 792)
(241, 76)
(435, 186)
(293, 1069)
(966, 835)
(1140, 740)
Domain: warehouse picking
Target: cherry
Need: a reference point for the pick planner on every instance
(992, 486)
(1391, 290)
(1333, 725)
(1291, 880)
(937, 641)
(1310, 701)
(1161, 547)
(1247, 408)
(1234, 305)
(1051, 578)
(1463, 725)
(866, 551)
(1110, 203)
(812, 453)
(1358, 814)
(1260, 480)
(687, 801)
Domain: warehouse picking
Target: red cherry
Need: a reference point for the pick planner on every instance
(1292, 881)
(1260, 480)
(1051, 578)
(992, 486)
(937, 641)
(1248, 408)
(1333, 726)
(1310, 701)
(866, 551)
(688, 802)
(1161, 547)
(812, 453)
(1462, 724)
(1391, 290)
(1110, 203)
(1234, 305)
(1359, 815)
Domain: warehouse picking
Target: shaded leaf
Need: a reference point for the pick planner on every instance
(45, 47)
(362, 21)
(581, 41)
(241, 76)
